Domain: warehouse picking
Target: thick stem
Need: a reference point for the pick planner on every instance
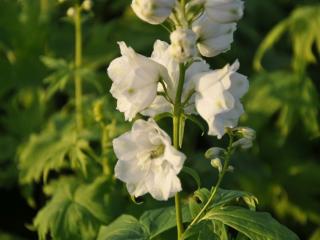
(78, 62)
(221, 175)
(176, 126)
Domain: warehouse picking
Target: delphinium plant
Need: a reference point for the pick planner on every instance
(177, 83)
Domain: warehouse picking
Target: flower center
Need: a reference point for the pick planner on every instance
(157, 152)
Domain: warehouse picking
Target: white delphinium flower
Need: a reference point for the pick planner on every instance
(147, 162)
(135, 80)
(224, 11)
(218, 96)
(161, 54)
(153, 11)
(183, 44)
(213, 37)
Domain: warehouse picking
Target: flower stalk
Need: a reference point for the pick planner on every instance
(225, 167)
(177, 111)
(78, 63)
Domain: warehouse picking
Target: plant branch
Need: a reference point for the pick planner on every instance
(220, 178)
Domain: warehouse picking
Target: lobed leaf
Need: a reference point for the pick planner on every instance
(255, 225)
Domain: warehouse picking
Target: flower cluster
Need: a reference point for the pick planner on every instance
(148, 163)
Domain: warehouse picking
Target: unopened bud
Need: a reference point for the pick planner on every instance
(98, 111)
(247, 132)
(153, 11)
(216, 163)
(244, 143)
(230, 168)
(214, 152)
(183, 44)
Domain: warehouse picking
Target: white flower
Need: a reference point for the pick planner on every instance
(218, 97)
(147, 162)
(135, 80)
(224, 11)
(213, 37)
(87, 5)
(153, 11)
(161, 54)
(183, 44)
(70, 12)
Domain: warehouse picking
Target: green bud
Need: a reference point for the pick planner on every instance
(214, 152)
(216, 163)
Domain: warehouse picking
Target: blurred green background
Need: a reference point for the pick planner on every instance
(45, 166)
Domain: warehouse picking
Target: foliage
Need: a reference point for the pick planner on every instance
(37, 119)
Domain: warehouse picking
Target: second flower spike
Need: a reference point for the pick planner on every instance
(147, 162)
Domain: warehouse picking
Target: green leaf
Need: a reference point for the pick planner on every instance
(182, 122)
(227, 196)
(202, 231)
(160, 220)
(124, 228)
(223, 197)
(75, 211)
(255, 225)
(193, 174)
(268, 42)
(58, 146)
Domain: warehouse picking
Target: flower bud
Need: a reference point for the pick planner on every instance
(194, 8)
(230, 169)
(216, 163)
(214, 152)
(243, 143)
(70, 12)
(87, 5)
(153, 11)
(98, 111)
(183, 44)
(224, 11)
(247, 132)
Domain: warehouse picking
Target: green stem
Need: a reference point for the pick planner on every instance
(176, 129)
(78, 63)
(220, 178)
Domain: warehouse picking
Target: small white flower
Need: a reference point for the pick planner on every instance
(135, 80)
(213, 37)
(153, 11)
(218, 97)
(87, 5)
(147, 162)
(161, 54)
(70, 12)
(224, 11)
(183, 44)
